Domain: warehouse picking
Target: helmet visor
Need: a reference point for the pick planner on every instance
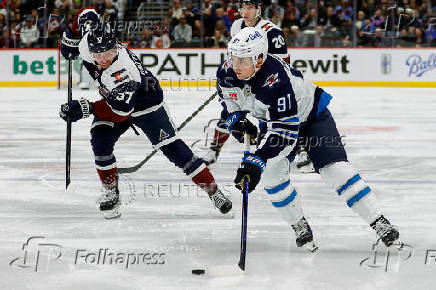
(243, 62)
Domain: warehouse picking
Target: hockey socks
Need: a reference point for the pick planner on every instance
(108, 178)
(219, 138)
(352, 189)
(205, 181)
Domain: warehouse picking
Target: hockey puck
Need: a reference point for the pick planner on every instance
(198, 271)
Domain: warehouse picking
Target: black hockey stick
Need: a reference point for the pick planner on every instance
(68, 147)
(243, 251)
(195, 113)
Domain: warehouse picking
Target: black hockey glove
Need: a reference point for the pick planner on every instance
(76, 110)
(251, 167)
(238, 125)
(70, 45)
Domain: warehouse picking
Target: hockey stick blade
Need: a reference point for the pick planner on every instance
(224, 271)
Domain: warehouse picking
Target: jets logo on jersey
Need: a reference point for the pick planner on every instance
(271, 80)
(163, 135)
(119, 77)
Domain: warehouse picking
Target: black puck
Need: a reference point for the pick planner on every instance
(198, 271)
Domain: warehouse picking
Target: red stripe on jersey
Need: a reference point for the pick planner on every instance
(105, 113)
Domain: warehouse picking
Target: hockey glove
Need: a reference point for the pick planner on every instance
(76, 110)
(251, 167)
(238, 125)
(70, 45)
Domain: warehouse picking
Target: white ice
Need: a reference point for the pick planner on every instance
(390, 138)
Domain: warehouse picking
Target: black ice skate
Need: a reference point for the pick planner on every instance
(387, 232)
(211, 155)
(222, 203)
(304, 236)
(110, 202)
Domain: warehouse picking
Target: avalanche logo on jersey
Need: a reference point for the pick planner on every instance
(271, 80)
(118, 77)
(163, 135)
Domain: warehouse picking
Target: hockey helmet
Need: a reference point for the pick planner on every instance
(102, 38)
(249, 42)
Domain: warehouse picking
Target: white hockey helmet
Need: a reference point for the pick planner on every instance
(249, 42)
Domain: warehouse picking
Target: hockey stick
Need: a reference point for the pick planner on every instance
(68, 147)
(243, 253)
(232, 270)
(195, 113)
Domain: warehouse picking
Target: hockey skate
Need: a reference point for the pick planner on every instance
(304, 164)
(387, 232)
(109, 203)
(304, 236)
(222, 203)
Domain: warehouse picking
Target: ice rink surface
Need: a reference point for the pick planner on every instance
(51, 238)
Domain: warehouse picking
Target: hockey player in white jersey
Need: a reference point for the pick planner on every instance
(130, 95)
(250, 10)
(254, 82)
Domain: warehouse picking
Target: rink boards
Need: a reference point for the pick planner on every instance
(196, 67)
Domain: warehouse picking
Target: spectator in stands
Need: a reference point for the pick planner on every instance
(344, 11)
(291, 8)
(221, 16)
(290, 20)
(189, 15)
(209, 23)
(177, 10)
(182, 31)
(161, 39)
(55, 28)
(232, 11)
(29, 34)
(146, 40)
(218, 40)
(296, 38)
(274, 7)
(308, 20)
(360, 22)
(378, 19)
(196, 30)
(367, 33)
(332, 20)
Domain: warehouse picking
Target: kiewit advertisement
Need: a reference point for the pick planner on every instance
(326, 67)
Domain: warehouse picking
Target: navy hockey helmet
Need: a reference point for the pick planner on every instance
(102, 38)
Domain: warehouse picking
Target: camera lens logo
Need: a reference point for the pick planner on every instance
(37, 254)
(388, 259)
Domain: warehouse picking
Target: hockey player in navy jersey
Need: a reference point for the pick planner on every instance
(130, 95)
(250, 10)
(254, 82)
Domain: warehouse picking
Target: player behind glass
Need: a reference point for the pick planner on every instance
(263, 85)
(130, 95)
(250, 11)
